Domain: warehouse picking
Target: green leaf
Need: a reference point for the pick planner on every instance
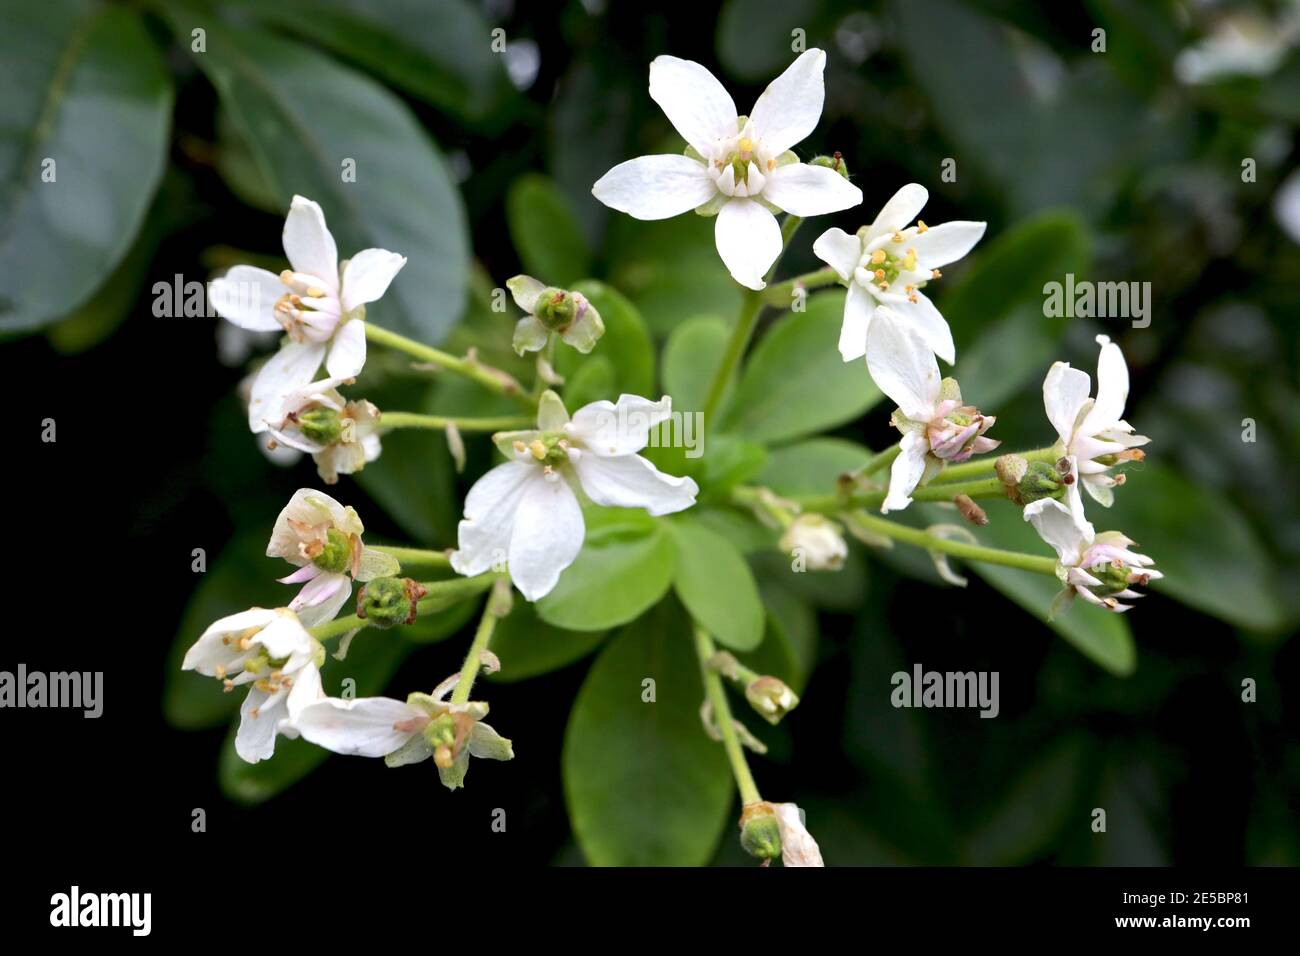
(690, 358)
(591, 382)
(625, 566)
(86, 89)
(303, 117)
(811, 467)
(372, 660)
(643, 784)
(626, 343)
(440, 52)
(795, 382)
(716, 585)
(759, 56)
(240, 576)
(1210, 556)
(545, 232)
(528, 646)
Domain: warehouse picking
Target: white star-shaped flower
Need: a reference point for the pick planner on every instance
(526, 512)
(341, 436)
(272, 651)
(936, 426)
(1093, 429)
(318, 303)
(323, 539)
(740, 168)
(889, 263)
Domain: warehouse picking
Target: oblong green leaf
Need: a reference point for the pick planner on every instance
(690, 358)
(795, 382)
(643, 784)
(545, 231)
(715, 584)
(84, 118)
(528, 646)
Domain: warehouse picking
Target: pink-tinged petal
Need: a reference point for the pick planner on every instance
(367, 276)
(748, 240)
(697, 105)
(320, 598)
(655, 187)
(1065, 390)
(302, 575)
(946, 242)
(546, 538)
(804, 190)
(1112, 389)
(364, 726)
(927, 322)
(902, 365)
(791, 106)
(906, 472)
(292, 367)
(798, 848)
(630, 481)
(483, 536)
(246, 297)
(347, 351)
(309, 244)
(840, 251)
(623, 429)
(859, 306)
(902, 208)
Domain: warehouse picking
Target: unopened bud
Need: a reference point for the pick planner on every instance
(771, 698)
(835, 162)
(970, 510)
(760, 833)
(387, 602)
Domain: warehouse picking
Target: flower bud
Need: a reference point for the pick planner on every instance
(1041, 480)
(819, 539)
(835, 162)
(760, 833)
(387, 602)
(771, 698)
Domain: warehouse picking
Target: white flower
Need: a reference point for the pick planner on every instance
(936, 426)
(1099, 567)
(819, 541)
(323, 538)
(1240, 43)
(271, 650)
(798, 848)
(527, 510)
(889, 263)
(340, 436)
(739, 168)
(320, 303)
(423, 726)
(569, 314)
(1092, 430)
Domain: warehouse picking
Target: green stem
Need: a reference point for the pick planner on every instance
(722, 715)
(442, 595)
(881, 459)
(416, 420)
(415, 555)
(825, 504)
(779, 295)
(751, 304)
(474, 659)
(492, 379)
(958, 549)
(982, 466)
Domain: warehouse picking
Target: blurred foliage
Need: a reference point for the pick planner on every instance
(1108, 164)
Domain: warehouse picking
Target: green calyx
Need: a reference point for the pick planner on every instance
(322, 425)
(1041, 480)
(441, 731)
(760, 836)
(1113, 579)
(387, 602)
(835, 162)
(336, 556)
(556, 309)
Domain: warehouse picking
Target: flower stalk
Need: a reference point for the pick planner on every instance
(779, 295)
(958, 549)
(440, 422)
(717, 697)
(441, 595)
(492, 379)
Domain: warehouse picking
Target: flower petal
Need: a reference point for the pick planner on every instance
(839, 250)
(906, 471)
(791, 106)
(623, 429)
(347, 352)
(697, 105)
(483, 535)
(926, 321)
(902, 365)
(321, 597)
(546, 538)
(804, 190)
(1112, 389)
(798, 848)
(655, 187)
(748, 240)
(211, 651)
(292, 367)
(364, 726)
(1065, 390)
(246, 297)
(901, 209)
(259, 721)
(630, 481)
(946, 242)
(1057, 527)
(486, 744)
(859, 306)
(525, 290)
(367, 275)
(530, 335)
(308, 243)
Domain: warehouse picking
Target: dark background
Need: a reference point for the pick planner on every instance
(151, 462)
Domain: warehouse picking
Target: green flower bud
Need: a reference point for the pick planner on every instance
(1041, 480)
(771, 698)
(322, 425)
(387, 602)
(760, 835)
(337, 553)
(835, 162)
(556, 309)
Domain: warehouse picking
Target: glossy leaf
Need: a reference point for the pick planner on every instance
(716, 586)
(545, 232)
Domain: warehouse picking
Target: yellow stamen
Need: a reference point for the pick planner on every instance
(921, 226)
(878, 257)
(537, 448)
